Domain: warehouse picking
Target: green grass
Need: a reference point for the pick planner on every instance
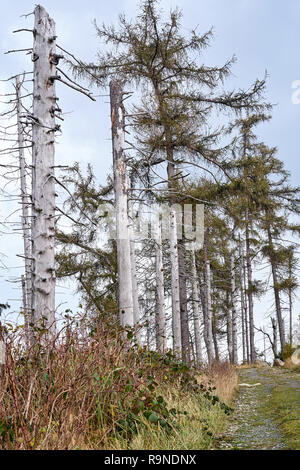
(285, 403)
(194, 430)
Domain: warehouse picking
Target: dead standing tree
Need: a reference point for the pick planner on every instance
(43, 182)
(25, 200)
(121, 202)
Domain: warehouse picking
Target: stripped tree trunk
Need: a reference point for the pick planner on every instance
(196, 310)
(209, 313)
(249, 291)
(121, 202)
(229, 326)
(234, 311)
(184, 321)
(43, 185)
(204, 310)
(273, 263)
(176, 326)
(207, 301)
(242, 300)
(274, 327)
(246, 311)
(160, 292)
(135, 298)
(291, 316)
(27, 296)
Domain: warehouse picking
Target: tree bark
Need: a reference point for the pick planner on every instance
(243, 306)
(208, 311)
(43, 184)
(184, 321)
(234, 311)
(160, 292)
(196, 310)
(276, 290)
(275, 341)
(27, 283)
(135, 298)
(121, 202)
(250, 293)
(176, 325)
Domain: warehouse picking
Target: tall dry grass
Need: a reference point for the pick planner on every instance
(89, 387)
(223, 377)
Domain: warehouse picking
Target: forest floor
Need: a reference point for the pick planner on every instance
(267, 415)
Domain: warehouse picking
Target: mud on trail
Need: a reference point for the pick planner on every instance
(267, 415)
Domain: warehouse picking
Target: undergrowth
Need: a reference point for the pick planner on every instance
(91, 388)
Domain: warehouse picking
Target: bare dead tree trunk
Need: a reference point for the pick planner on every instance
(207, 302)
(26, 319)
(184, 321)
(229, 326)
(121, 203)
(135, 298)
(196, 310)
(291, 316)
(234, 311)
(273, 263)
(246, 311)
(176, 325)
(209, 313)
(25, 201)
(275, 341)
(43, 184)
(160, 292)
(243, 306)
(250, 292)
(214, 335)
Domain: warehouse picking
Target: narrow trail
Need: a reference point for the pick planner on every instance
(253, 424)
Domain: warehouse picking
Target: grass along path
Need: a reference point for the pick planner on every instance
(267, 416)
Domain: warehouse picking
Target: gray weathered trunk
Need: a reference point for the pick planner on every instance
(273, 263)
(250, 291)
(196, 310)
(234, 311)
(160, 292)
(121, 203)
(176, 326)
(243, 306)
(184, 321)
(275, 341)
(135, 298)
(43, 184)
(25, 201)
(209, 312)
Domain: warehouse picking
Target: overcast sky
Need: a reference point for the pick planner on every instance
(263, 34)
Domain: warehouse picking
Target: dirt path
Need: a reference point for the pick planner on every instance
(253, 424)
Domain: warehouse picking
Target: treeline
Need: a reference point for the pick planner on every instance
(182, 148)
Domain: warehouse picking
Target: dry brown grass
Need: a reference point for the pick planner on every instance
(290, 365)
(222, 376)
(89, 386)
